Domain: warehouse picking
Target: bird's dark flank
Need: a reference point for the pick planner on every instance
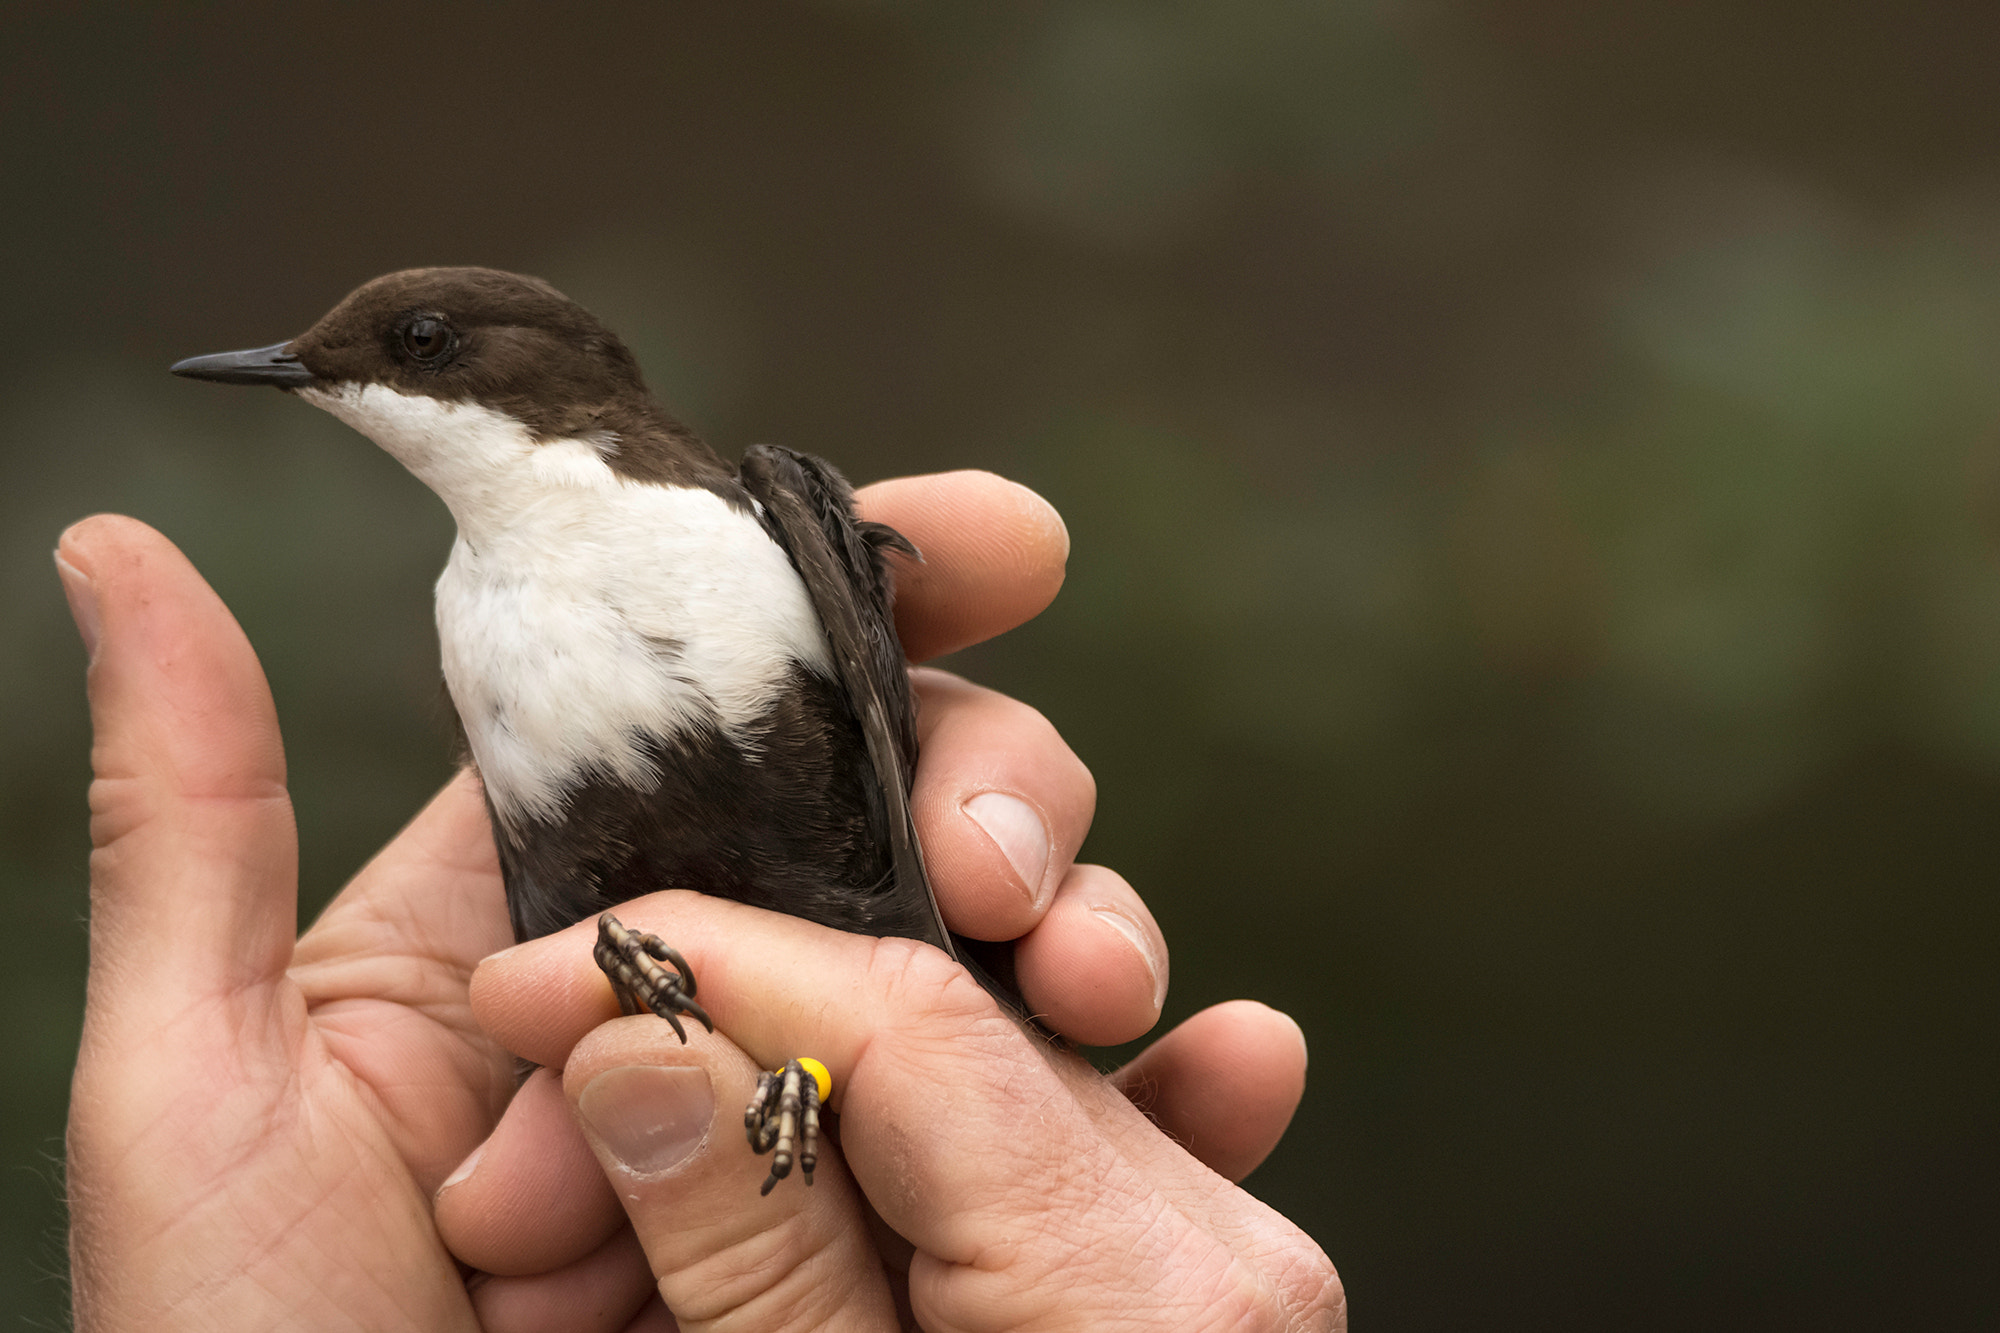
(670, 672)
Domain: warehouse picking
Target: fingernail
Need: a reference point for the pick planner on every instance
(82, 603)
(464, 1169)
(649, 1118)
(1019, 834)
(1156, 967)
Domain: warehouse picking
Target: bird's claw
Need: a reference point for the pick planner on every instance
(632, 960)
(784, 1115)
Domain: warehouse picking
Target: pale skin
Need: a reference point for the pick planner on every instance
(261, 1123)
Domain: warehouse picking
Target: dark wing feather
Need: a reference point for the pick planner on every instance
(809, 509)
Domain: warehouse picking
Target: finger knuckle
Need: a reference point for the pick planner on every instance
(1281, 1283)
(911, 977)
(1305, 1290)
(1286, 1284)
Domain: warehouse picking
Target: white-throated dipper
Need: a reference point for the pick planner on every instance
(670, 672)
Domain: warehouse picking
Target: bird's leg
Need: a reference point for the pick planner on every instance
(632, 958)
(784, 1114)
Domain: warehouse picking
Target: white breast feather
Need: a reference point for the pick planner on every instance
(580, 611)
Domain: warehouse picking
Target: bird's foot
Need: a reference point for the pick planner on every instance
(632, 960)
(784, 1115)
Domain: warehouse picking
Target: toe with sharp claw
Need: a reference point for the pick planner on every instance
(783, 1118)
(635, 963)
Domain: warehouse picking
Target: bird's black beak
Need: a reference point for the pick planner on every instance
(261, 365)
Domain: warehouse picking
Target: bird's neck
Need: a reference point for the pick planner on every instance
(490, 470)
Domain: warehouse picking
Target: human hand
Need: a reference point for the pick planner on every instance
(258, 1122)
(990, 1181)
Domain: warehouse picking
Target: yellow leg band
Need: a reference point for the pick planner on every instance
(820, 1076)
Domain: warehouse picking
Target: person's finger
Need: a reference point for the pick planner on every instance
(599, 1293)
(1095, 968)
(1224, 1084)
(1096, 964)
(993, 556)
(530, 1199)
(963, 1127)
(193, 871)
(1001, 805)
(666, 1121)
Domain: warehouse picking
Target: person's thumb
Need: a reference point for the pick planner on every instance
(194, 851)
(191, 905)
(666, 1122)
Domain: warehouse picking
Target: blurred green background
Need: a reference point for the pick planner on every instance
(1534, 478)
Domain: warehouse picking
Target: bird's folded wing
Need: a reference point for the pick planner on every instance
(809, 509)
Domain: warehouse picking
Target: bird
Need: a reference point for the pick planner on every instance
(668, 671)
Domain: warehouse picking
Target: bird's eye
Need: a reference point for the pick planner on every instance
(427, 338)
